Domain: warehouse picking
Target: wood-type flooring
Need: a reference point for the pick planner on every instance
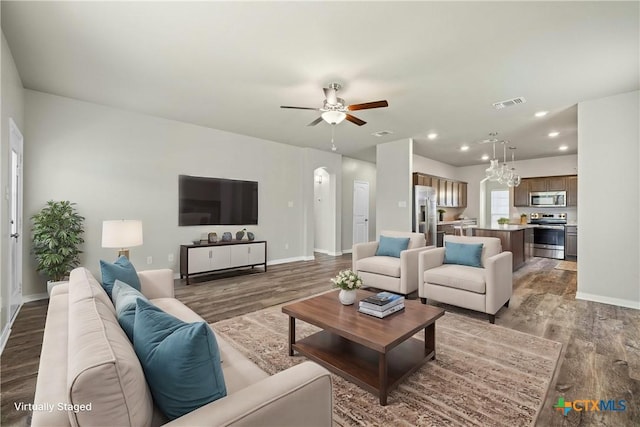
(601, 343)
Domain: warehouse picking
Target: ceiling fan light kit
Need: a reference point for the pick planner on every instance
(333, 117)
(335, 111)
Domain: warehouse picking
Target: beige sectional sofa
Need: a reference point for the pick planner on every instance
(89, 373)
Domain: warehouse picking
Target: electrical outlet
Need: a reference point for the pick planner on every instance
(286, 246)
(170, 257)
(149, 260)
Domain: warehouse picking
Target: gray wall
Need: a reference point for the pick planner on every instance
(608, 161)
(12, 106)
(356, 170)
(394, 186)
(118, 164)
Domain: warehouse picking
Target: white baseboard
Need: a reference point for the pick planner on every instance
(347, 251)
(287, 260)
(5, 337)
(608, 300)
(35, 297)
(323, 251)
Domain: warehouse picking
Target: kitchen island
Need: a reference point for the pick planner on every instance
(512, 238)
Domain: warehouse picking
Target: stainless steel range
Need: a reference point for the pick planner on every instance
(548, 235)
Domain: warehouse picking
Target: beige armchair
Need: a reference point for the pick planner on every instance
(484, 289)
(398, 275)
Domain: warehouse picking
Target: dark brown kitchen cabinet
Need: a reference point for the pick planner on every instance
(550, 183)
(521, 193)
(571, 242)
(572, 191)
(538, 184)
(449, 193)
(556, 183)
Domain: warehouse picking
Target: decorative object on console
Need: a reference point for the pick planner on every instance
(240, 234)
(226, 236)
(121, 234)
(213, 237)
(56, 254)
(348, 282)
(251, 236)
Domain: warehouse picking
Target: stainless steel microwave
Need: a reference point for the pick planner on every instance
(548, 199)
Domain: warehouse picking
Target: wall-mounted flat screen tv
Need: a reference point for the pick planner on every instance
(217, 201)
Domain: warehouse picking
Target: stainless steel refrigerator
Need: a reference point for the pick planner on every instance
(424, 213)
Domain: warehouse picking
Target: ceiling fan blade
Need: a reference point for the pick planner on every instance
(330, 94)
(300, 108)
(368, 105)
(355, 120)
(315, 122)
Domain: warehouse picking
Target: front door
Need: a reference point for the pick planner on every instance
(15, 220)
(360, 212)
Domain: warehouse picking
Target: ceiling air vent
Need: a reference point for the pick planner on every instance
(509, 103)
(382, 133)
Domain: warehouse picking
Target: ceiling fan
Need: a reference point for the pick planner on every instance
(334, 110)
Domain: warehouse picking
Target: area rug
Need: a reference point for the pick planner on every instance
(484, 375)
(567, 265)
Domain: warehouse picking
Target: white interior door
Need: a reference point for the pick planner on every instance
(15, 219)
(360, 212)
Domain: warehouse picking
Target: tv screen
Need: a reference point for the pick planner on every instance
(216, 201)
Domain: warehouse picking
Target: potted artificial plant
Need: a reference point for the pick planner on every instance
(441, 214)
(503, 221)
(57, 236)
(523, 218)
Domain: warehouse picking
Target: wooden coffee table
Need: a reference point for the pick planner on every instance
(376, 354)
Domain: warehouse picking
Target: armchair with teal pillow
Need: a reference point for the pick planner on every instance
(392, 263)
(469, 272)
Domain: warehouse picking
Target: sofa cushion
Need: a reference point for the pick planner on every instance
(385, 265)
(103, 369)
(416, 240)
(492, 245)
(124, 298)
(122, 270)
(181, 360)
(463, 254)
(82, 285)
(392, 246)
(463, 277)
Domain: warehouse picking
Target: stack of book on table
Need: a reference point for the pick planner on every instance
(381, 304)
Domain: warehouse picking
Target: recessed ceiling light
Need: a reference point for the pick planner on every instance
(553, 134)
(563, 148)
(485, 157)
(541, 113)
(464, 148)
(432, 135)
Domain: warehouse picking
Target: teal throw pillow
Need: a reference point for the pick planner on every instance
(392, 246)
(124, 299)
(122, 270)
(181, 361)
(463, 253)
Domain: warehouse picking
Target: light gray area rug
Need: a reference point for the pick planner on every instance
(484, 375)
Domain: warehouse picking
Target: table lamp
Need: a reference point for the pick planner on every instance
(121, 234)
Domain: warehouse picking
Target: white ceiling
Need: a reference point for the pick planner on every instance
(441, 65)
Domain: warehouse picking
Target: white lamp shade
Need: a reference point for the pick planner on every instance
(121, 233)
(333, 117)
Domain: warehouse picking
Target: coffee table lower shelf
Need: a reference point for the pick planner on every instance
(376, 372)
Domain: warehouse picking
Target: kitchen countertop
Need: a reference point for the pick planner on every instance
(455, 222)
(508, 227)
